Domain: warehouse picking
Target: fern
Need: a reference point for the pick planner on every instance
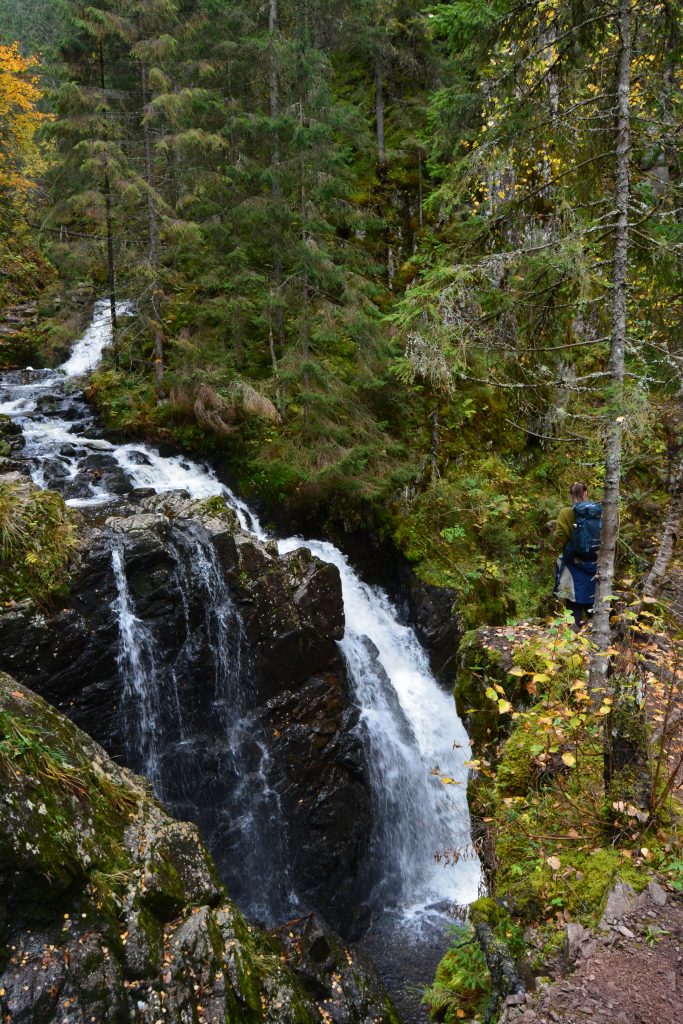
(462, 981)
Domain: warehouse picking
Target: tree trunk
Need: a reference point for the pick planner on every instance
(278, 316)
(435, 444)
(111, 268)
(667, 545)
(379, 114)
(305, 326)
(599, 661)
(153, 228)
(502, 968)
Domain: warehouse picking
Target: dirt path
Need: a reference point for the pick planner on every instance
(630, 971)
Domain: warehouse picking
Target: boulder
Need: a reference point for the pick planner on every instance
(433, 611)
(318, 958)
(112, 912)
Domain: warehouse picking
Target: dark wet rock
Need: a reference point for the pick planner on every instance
(69, 451)
(11, 438)
(9, 465)
(433, 612)
(68, 408)
(292, 613)
(322, 962)
(293, 688)
(318, 770)
(112, 912)
(58, 470)
(139, 458)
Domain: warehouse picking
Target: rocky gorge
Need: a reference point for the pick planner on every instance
(267, 694)
(111, 911)
(290, 614)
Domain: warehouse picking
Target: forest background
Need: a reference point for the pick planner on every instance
(406, 270)
(371, 249)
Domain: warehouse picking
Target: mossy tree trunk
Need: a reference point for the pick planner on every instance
(667, 545)
(599, 662)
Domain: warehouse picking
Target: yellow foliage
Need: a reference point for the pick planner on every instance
(19, 120)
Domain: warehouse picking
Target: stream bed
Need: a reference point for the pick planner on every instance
(411, 735)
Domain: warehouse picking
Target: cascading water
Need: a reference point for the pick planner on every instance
(412, 735)
(168, 733)
(413, 740)
(137, 663)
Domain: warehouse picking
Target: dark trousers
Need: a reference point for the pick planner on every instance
(578, 610)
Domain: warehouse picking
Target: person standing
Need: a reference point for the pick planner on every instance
(578, 530)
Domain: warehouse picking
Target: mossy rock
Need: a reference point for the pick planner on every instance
(107, 905)
(518, 771)
(486, 909)
(38, 536)
(481, 665)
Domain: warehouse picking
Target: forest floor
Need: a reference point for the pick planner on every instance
(552, 854)
(629, 971)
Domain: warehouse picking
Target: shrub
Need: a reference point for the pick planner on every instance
(37, 537)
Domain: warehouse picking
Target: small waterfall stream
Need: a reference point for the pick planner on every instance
(412, 734)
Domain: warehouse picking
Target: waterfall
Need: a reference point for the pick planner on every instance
(164, 725)
(413, 738)
(87, 352)
(137, 663)
(411, 733)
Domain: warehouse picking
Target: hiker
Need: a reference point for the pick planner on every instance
(578, 530)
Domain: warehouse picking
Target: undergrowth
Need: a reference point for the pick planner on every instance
(558, 839)
(462, 986)
(37, 539)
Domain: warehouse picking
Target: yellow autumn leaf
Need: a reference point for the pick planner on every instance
(568, 759)
(504, 706)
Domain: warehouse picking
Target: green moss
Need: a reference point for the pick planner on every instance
(63, 817)
(486, 909)
(217, 507)
(479, 667)
(517, 771)
(532, 656)
(37, 539)
(462, 981)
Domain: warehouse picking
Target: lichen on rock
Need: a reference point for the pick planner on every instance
(111, 911)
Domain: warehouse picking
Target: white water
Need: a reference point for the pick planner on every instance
(87, 352)
(137, 665)
(412, 732)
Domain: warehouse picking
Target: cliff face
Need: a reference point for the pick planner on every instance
(111, 911)
(245, 699)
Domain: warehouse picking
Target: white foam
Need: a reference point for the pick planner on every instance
(87, 352)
